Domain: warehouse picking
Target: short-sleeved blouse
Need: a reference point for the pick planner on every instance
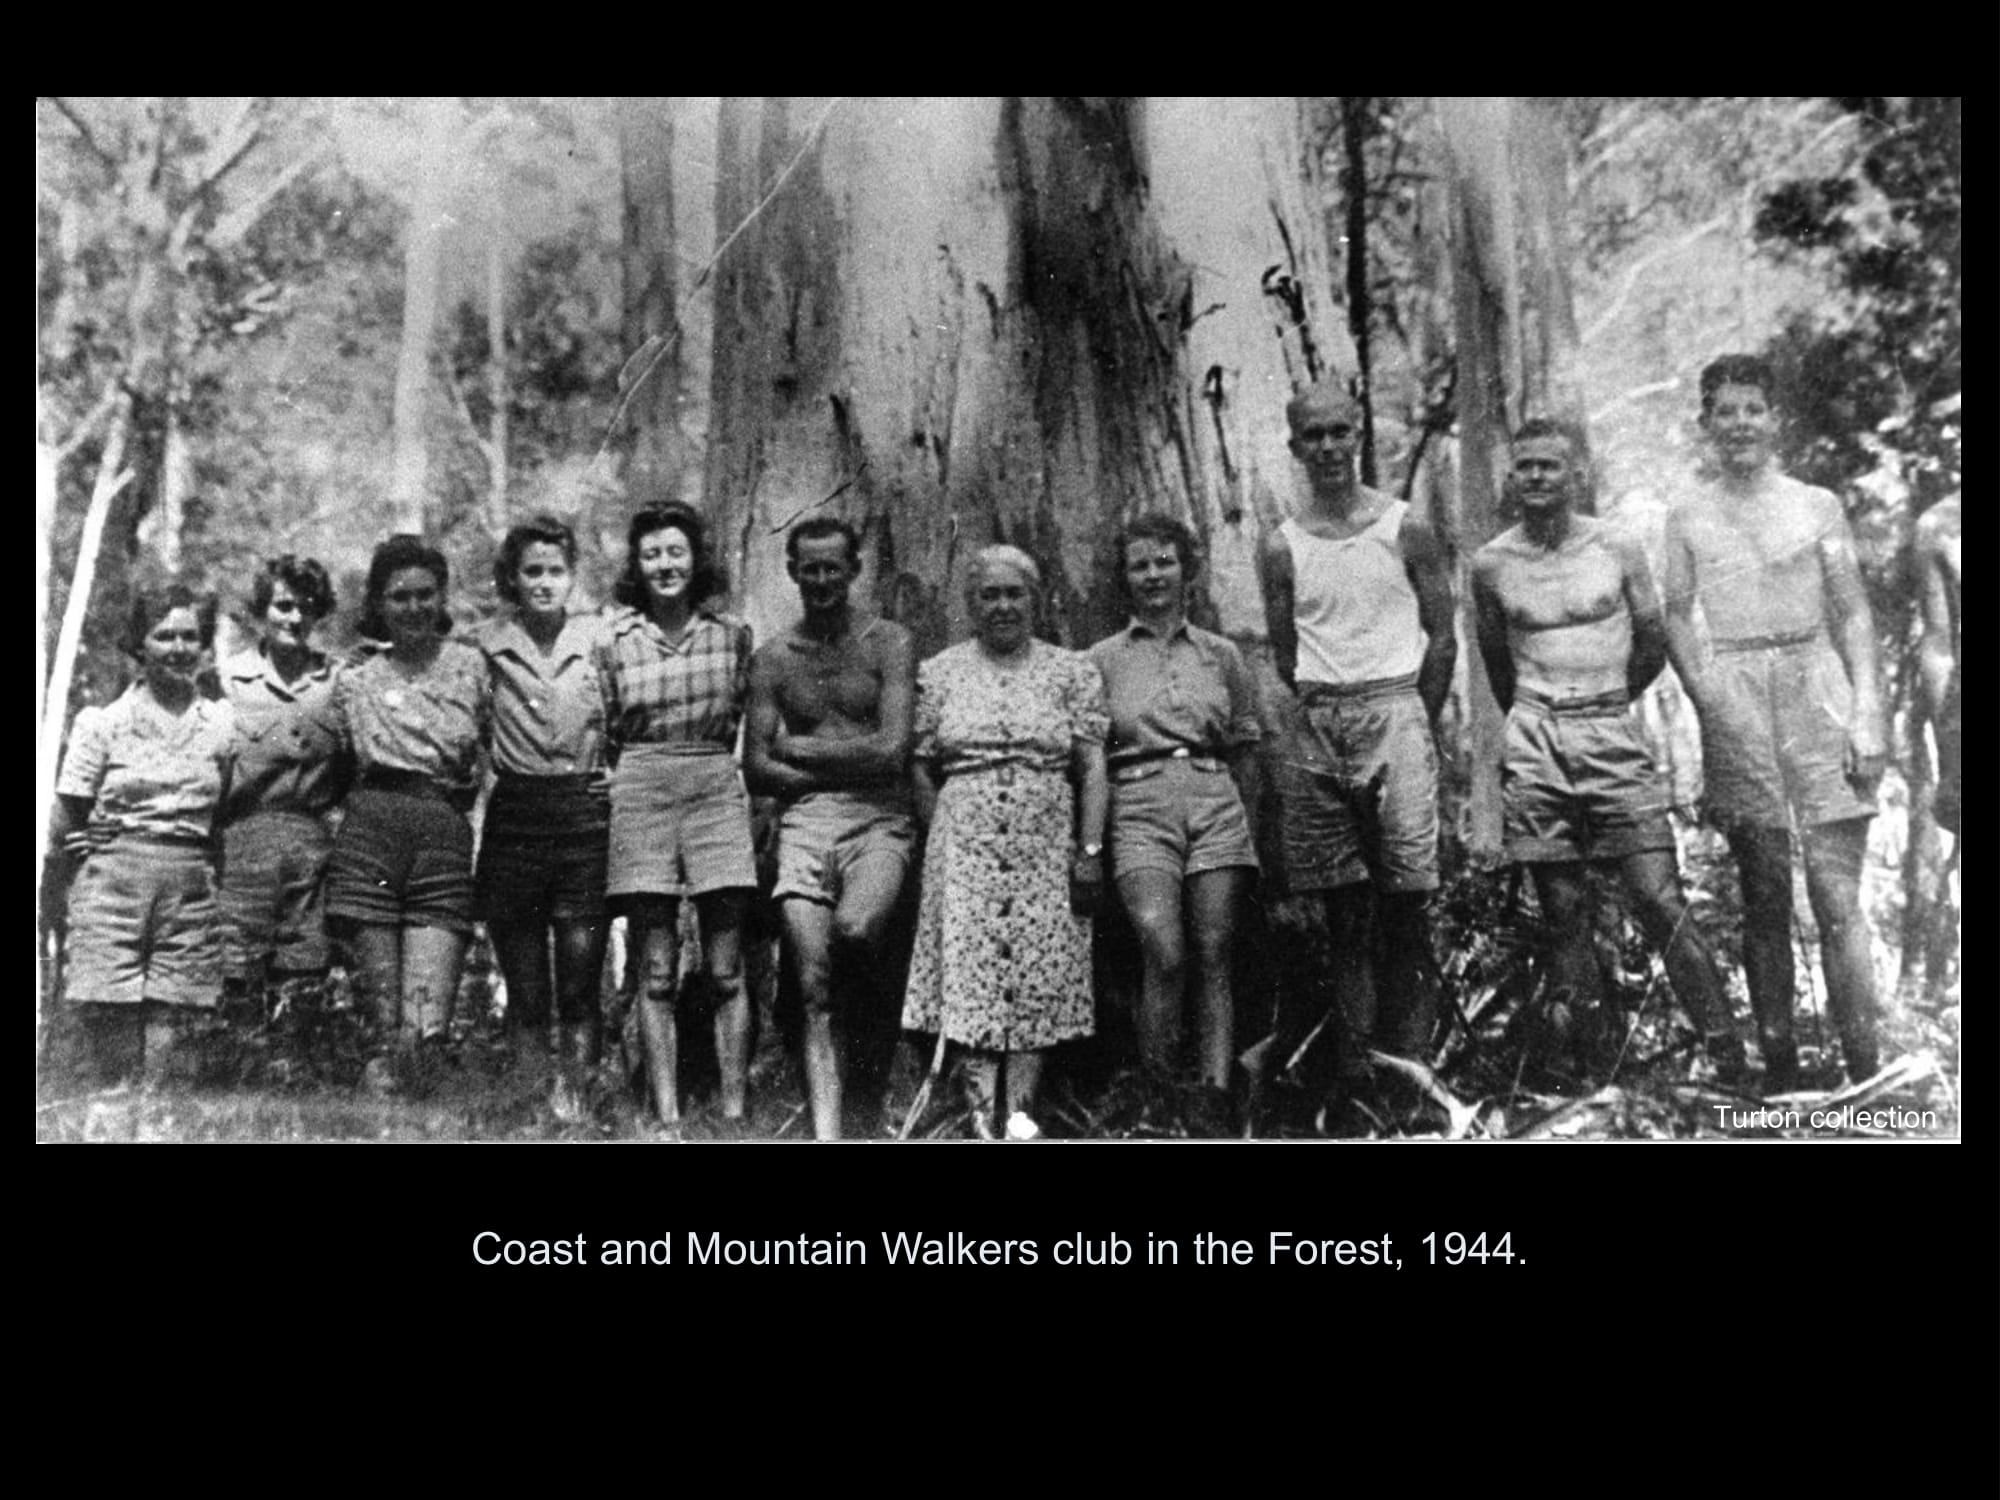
(548, 708)
(288, 755)
(687, 692)
(430, 723)
(149, 773)
(975, 714)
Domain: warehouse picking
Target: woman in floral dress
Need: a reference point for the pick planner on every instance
(1009, 772)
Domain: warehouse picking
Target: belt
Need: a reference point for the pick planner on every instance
(1778, 642)
(679, 747)
(160, 840)
(521, 781)
(1312, 693)
(1597, 706)
(1147, 762)
(408, 783)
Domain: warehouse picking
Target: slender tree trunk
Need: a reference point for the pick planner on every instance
(422, 244)
(1354, 111)
(496, 375)
(658, 455)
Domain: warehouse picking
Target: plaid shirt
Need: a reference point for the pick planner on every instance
(660, 693)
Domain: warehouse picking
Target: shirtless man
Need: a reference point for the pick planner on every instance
(828, 734)
(1938, 655)
(1571, 632)
(1358, 601)
(1784, 682)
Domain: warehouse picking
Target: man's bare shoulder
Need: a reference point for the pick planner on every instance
(1419, 539)
(1490, 558)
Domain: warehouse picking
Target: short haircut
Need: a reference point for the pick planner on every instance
(812, 528)
(1738, 369)
(544, 530)
(706, 579)
(1547, 427)
(1327, 394)
(150, 606)
(303, 576)
(1002, 555)
(1156, 526)
(403, 550)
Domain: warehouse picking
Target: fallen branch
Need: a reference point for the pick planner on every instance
(1462, 1116)
(923, 1098)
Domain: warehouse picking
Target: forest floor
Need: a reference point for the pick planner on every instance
(1633, 1076)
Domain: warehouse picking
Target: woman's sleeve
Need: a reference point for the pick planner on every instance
(84, 762)
(1083, 700)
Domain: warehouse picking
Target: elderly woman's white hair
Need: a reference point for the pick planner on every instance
(1003, 555)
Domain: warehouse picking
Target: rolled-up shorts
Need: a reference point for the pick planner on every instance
(1358, 783)
(274, 893)
(1774, 728)
(680, 824)
(402, 859)
(1179, 816)
(144, 926)
(542, 851)
(823, 836)
(1578, 783)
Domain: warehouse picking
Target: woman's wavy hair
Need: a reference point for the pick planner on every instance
(543, 530)
(1157, 527)
(304, 576)
(707, 579)
(150, 606)
(403, 550)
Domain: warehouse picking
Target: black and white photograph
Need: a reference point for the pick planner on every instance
(701, 620)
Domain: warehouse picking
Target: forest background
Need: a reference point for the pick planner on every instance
(297, 324)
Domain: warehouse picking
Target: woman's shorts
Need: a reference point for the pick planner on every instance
(542, 851)
(143, 926)
(402, 860)
(680, 824)
(274, 893)
(1178, 816)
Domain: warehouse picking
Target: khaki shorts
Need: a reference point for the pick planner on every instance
(824, 835)
(1358, 782)
(1180, 815)
(680, 825)
(143, 926)
(1774, 736)
(1579, 784)
(274, 894)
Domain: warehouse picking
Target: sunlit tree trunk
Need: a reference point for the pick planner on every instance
(498, 391)
(650, 312)
(409, 467)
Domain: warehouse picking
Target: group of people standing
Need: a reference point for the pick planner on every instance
(1009, 769)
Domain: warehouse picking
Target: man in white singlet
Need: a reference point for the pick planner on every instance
(1358, 598)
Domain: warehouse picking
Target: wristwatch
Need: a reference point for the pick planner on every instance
(1091, 851)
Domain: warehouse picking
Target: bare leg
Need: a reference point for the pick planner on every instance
(722, 945)
(1214, 898)
(1563, 889)
(1764, 869)
(1654, 881)
(656, 948)
(432, 958)
(579, 952)
(1024, 1080)
(521, 944)
(869, 1024)
(378, 973)
(808, 937)
(1153, 901)
(1834, 853)
(1408, 1019)
(1350, 914)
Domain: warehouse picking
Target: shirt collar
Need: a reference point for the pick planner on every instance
(508, 634)
(255, 665)
(1140, 628)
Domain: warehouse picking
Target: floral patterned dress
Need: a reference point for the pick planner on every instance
(1000, 962)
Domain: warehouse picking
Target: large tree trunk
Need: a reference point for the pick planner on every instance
(968, 320)
(409, 466)
(658, 457)
(498, 393)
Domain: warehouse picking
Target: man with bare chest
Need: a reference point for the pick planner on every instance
(828, 734)
(1783, 679)
(1571, 631)
(1358, 602)
(1938, 655)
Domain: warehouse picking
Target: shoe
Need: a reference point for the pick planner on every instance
(1725, 1054)
(1781, 1070)
(1021, 1126)
(1209, 1114)
(379, 1078)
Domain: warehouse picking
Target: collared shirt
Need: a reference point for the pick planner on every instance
(1190, 689)
(288, 753)
(662, 692)
(430, 723)
(548, 709)
(150, 773)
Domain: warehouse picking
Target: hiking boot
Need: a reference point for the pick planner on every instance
(1781, 1070)
(1210, 1114)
